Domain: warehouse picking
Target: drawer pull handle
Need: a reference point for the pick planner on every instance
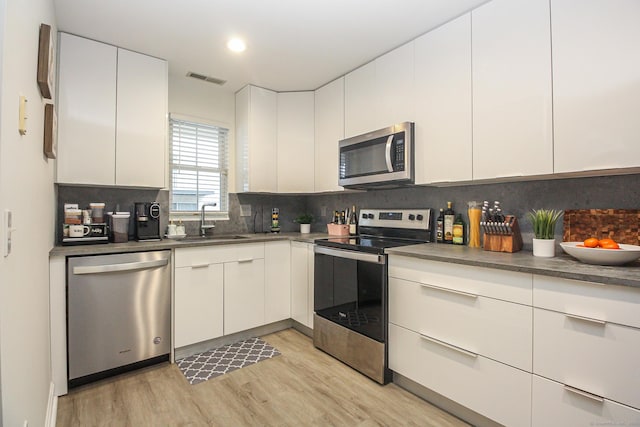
(245, 260)
(584, 393)
(452, 291)
(449, 346)
(204, 265)
(586, 319)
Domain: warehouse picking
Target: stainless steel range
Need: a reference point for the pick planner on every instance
(350, 287)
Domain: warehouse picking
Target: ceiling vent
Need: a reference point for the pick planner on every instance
(204, 78)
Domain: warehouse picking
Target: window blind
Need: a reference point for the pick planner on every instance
(198, 166)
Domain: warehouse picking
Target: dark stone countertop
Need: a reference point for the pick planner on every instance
(562, 265)
(164, 244)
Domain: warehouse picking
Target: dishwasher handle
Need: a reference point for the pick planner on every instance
(128, 266)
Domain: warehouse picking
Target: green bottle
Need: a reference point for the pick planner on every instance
(458, 230)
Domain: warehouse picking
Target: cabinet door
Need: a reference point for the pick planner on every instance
(295, 142)
(310, 281)
(198, 303)
(277, 286)
(243, 295)
(512, 124)
(256, 140)
(299, 283)
(394, 87)
(596, 91)
(141, 138)
(86, 112)
(329, 129)
(443, 103)
(360, 100)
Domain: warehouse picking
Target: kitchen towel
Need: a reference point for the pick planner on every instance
(212, 363)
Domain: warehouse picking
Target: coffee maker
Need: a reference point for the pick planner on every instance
(147, 219)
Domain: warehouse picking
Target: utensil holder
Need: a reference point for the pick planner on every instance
(504, 236)
(338, 229)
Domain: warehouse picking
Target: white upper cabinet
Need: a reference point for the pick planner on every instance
(329, 129)
(112, 108)
(360, 100)
(295, 142)
(443, 149)
(395, 87)
(256, 139)
(86, 111)
(380, 93)
(141, 131)
(596, 84)
(511, 57)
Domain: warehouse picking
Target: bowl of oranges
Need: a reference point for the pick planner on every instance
(602, 251)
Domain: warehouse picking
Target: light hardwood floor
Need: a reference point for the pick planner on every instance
(301, 387)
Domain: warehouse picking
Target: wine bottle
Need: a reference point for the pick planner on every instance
(440, 227)
(449, 218)
(458, 230)
(353, 222)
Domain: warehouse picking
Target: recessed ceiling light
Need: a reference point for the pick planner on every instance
(236, 45)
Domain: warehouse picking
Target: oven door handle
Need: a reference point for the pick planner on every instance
(354, 255)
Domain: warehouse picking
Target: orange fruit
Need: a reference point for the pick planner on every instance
(609, 245)
(603, 242)
(591, 242)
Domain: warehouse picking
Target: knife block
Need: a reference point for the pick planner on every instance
(504, 242)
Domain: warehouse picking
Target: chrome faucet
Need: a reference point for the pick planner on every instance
(203, 227)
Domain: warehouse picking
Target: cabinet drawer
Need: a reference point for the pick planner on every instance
(598, 357)
(506, 285)
(190, 257)
(482, 385)
(556, 405)
(493, 328)
(618, 304)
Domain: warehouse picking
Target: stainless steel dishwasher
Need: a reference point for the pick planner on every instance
(118, 313)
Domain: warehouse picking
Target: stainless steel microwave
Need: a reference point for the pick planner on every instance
(379, 159)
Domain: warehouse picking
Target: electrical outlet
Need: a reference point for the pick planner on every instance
(26, 423)
(245, 210)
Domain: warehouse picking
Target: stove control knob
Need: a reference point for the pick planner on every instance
(412, 217)
(364, 215)
(370, 216)
(419, 217)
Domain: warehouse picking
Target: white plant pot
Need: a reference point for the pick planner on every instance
(544, 247)
(305, 228)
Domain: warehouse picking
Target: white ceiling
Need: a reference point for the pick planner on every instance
(292, 44)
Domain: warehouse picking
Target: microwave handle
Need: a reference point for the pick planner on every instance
(387, 153)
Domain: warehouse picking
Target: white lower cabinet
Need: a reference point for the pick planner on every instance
(493, 389)
(244, 294)
(302, 283)
(198, 303)
(554, 404)
(277, 281)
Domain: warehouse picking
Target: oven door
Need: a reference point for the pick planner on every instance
(350, 289)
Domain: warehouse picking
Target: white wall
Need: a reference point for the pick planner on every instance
(208, 101)
(26, 188)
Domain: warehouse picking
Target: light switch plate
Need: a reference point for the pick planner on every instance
(7, 227)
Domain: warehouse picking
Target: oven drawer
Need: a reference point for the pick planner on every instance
(554, 404)
(506, 285)
(598, 357)
(493, 328)
(481, 384)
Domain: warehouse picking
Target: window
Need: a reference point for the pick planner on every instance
(198, 166)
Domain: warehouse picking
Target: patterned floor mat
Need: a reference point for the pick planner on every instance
(210, 364)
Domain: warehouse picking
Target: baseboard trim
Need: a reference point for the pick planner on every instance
(52, 407)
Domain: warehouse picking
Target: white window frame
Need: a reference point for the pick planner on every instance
(195, 215)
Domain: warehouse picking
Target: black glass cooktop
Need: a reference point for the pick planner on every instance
(370, 244)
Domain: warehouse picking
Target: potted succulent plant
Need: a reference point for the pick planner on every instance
(305, 221)
(544, 228)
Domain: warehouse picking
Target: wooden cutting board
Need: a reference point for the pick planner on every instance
(621, 225)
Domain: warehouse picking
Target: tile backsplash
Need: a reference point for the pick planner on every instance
(517, 198)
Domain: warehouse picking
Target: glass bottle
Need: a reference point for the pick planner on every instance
(458, 230)
(449, 218)
(440, 227)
